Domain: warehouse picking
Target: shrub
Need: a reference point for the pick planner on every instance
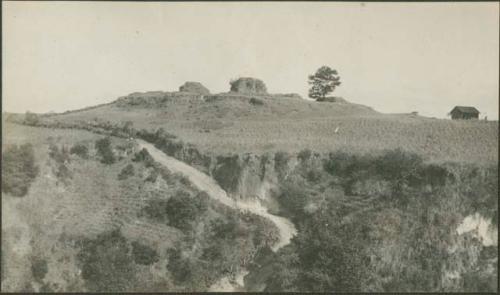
(80, 150)
(397, 164)
(225, 229)
(59, 155)
(39, 268)
(127, 126)
(18, 169)
(180, 211)
(293, 198)
(126, 172)
(106, 263)
(281, 162)
(63, 173)
(147, 136)
(171, 147)
(313, 175)
(184, 180)
(144, 156)
(157, 209)
(213, 254)
(228, 172)
(342, 164)
(182, 269)
(153, 175)
(304, 155)
(256, 101)
(103, 147)
(144, 254)
(31, 119)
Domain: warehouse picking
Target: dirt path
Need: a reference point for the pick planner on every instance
(205, 183)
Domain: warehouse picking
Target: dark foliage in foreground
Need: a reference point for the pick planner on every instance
(103, 147)
(126, 172)
(144, 254)
(39, 268)
(179, 211)
(18, 169)
(359, 206)
(80, 150)
(106, 263)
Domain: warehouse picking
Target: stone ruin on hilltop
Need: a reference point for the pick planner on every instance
(194, 87)
(248, 86)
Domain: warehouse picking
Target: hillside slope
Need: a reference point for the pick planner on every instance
(127, 224)
(235, 123)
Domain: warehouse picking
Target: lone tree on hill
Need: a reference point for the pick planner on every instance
(323, 82)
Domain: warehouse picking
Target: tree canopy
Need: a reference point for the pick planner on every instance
(323, 82)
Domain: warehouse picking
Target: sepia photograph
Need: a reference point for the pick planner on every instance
(249, 147)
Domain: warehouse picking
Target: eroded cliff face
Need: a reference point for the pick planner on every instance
(422, 226)
(434, 233)
(250, 176)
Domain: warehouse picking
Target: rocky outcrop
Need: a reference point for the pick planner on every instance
(194, 87)
(248, 86)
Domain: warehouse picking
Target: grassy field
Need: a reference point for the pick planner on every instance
(228, 124)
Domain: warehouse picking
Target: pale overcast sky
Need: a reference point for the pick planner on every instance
(395, 57)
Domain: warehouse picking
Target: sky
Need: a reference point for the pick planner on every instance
(394, 57)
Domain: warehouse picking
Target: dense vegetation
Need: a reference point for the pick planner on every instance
(107, 263)
(80, 150)
(39, 268)
(382, 223)
(365, 222)
(126, 172)
(103, 147)
(18, 169)
(179, 211)
(228, 172)
(324, 81)
(143, 254)
(61, 157)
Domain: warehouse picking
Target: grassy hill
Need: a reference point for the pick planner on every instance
(95, 225)
(99, 215)
(236, 123)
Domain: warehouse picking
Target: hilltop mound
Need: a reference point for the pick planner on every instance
(248, 86)
(235, 122)
(194, 87)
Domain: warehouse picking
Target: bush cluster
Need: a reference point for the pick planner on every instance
(39, 268)
(228, 172)
(106, 263)
(144, 254)
(341, 242)
(256, 101)
(126, 172)
(18, 169)
(104, 149)
(80, 150)
(180, 211)
(61, 156)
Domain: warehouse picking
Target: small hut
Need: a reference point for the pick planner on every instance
(464, 113)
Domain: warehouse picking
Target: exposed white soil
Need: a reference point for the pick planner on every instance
(481, 228)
